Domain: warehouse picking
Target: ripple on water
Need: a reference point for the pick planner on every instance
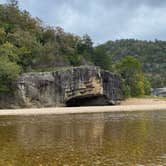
(107, 139)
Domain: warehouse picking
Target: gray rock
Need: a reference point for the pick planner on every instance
(77, 86)
(159, 92)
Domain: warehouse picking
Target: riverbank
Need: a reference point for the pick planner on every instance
(132, 104)
(78, 110)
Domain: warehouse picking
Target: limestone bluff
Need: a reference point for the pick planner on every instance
(75, 86)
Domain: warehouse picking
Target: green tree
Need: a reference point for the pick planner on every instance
(9, 51)
(130, 70)
(9, 71)
(100, 58)
(87, 42)
(2, 35)
(85, 47)
(147, 86)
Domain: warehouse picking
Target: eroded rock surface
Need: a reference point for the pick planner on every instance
(85, 85)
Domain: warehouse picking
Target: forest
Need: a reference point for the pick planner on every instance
(151, 54)
(27, 45)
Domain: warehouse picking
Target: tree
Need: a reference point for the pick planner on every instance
(147, 86)
(13, 3)
(9, 71)
(2, 35)
(128, 67)
(87, 42)
(130, 70)
(9, 51)
(100, 58)
(85, 47)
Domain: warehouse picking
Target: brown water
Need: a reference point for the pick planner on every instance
(110, 139)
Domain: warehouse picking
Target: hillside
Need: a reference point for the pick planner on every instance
(152, 56)
(26, 45)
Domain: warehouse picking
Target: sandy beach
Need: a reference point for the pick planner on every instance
(134, 104)
(144, 101)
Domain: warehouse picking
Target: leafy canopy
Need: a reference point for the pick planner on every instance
(135, 83)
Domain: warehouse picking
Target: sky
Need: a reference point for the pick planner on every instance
(103, 20)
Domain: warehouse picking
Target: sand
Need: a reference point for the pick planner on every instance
(78, 110)
(144, 101)
(134, 104)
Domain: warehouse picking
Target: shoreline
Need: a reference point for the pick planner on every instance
(82, 110)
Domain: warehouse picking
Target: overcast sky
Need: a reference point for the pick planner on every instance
(103, 19)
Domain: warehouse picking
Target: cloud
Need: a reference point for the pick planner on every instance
(103, 19)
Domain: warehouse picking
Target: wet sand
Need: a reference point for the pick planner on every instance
(78, 110)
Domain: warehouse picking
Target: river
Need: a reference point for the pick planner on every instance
(100, 139)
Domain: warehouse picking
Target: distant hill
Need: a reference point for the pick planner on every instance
(151, 54)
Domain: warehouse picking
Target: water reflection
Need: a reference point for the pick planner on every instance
(87, 139)
(48, 132)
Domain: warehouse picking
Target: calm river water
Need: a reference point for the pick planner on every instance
(109, 139)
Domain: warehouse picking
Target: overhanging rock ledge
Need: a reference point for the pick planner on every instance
(75, 86)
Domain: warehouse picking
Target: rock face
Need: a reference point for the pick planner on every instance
(159, 92)
(77, 86)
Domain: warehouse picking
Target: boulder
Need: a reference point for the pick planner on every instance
(75, 86)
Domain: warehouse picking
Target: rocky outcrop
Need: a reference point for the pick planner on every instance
(77, 86)
(159, 92)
